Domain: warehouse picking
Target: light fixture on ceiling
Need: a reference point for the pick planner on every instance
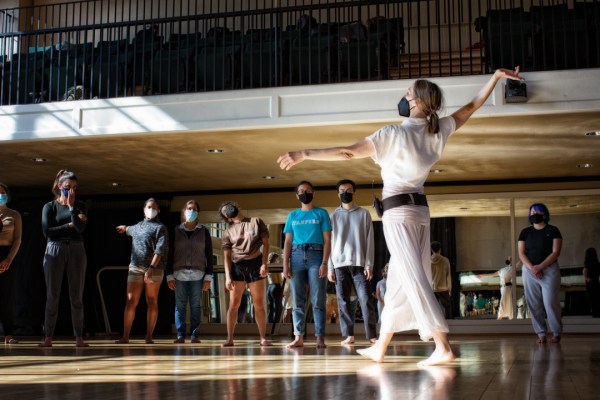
(592, 133)
(39, 160)
(436, 171)
(115, 184)
(584, 165)
(573, 205)
(515, 92)
(463, 208)
(268, 177)
(215, 150)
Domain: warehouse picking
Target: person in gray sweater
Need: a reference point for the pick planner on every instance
(149, 250)
(190, 270)
(351, 261)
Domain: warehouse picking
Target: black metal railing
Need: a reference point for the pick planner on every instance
(103, 49)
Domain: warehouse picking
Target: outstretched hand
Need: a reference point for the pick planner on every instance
(509, 73)
(288, 160)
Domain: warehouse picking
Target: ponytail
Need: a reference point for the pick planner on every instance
(432, 101)
(62, 176)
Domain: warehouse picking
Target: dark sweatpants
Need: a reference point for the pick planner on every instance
(345, 278)
(61, 257)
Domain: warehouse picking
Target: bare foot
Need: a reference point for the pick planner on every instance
(80, 343)
(349, 340)
(373, 340)
(10, 340)
(438, 357)
(122, 341)
(195, 340)
(180, 340)
(374, 353)
(265, 343)
(298, 342)
(555, 339)
(321, 342)
(149, 340)
(46, 343)
(541, 340)
(227, 343)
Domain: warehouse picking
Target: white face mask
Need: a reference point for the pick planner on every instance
(150, 213)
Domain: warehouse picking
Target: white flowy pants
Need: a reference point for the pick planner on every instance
(409, 299)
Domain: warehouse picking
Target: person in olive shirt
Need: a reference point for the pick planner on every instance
(149, 250)
(539, 247)
(244, 264)
(63, 221)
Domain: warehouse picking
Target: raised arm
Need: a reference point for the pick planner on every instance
(361, 149)
(462, 115)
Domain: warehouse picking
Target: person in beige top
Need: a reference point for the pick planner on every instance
(10, 241)
(244, 264)
(442, 280)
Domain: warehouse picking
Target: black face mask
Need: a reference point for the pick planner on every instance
(536, 218)
(231, 211)
(305, 198)
(404, 107)
(346, 197)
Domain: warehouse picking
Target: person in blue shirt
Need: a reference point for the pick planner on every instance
(305, 258)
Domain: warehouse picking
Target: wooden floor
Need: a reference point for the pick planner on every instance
(489, 367)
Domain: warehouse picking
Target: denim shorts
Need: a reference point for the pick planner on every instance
(136, 274)
(247, 270)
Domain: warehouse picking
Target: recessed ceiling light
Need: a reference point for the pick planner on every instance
(437, 171)
(215, 150)
(584, 165)
(115, 184)
(592, 133)
(268, 177)
(573, 205)
(464, 208)
(39, 159)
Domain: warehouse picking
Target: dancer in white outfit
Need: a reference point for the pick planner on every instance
(505, 273)
(406, 153)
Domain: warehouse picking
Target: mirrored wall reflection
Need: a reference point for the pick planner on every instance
(483, 246)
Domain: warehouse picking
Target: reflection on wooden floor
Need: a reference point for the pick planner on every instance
(488, 367)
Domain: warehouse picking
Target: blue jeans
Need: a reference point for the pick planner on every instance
(305, 263)
(184, 291)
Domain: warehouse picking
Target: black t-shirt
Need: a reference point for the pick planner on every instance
(538, 243)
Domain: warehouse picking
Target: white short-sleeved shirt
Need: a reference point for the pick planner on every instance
(406, 153)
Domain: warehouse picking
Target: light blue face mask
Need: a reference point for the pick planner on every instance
(3, 199)
(191, 215)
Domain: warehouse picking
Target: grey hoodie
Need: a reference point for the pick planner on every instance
(352, 241)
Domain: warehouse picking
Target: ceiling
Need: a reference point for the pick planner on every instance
(488, 154)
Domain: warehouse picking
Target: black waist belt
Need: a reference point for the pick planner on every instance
(413, 199)
(508, 284)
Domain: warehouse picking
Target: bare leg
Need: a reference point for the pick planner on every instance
(442, 353)
(235, 298)
(257, 290)
(152, 312)
(134, 291)
(377, 351)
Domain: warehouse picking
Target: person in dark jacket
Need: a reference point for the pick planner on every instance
(191, 268)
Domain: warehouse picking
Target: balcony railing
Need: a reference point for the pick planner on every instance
(103, 49)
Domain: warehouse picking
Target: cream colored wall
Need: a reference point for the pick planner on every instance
(484, 243)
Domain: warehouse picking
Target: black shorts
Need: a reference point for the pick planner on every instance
(247, 270)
